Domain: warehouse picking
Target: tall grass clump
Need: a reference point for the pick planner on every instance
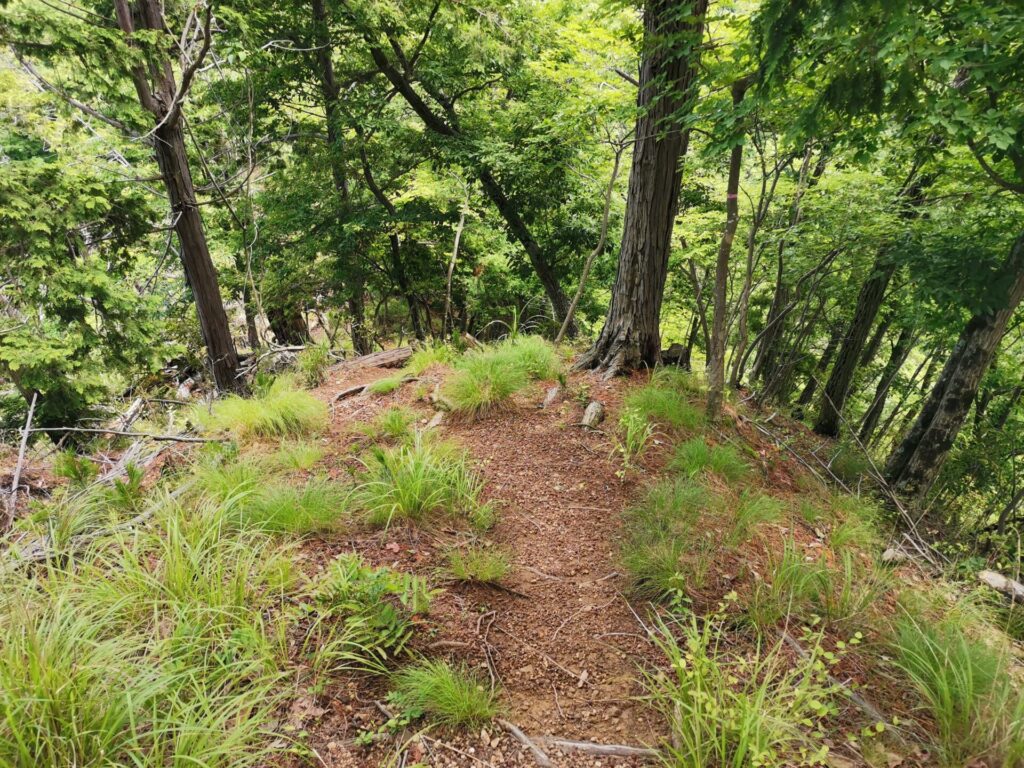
(393, 423)
(312, 363)
(851, 589)
(316, 506)
(156, 648)
(425, 357)
(666, 549)
(673, 377)
(444, 693)
(968, 689)
(481, 565)
(664, 406)
(788, 589)
(486, 379)
(723, 708)
(754, 509)
(280, 411)
(414, 480)
(695, 456)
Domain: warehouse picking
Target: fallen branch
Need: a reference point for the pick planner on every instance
(389, 358)
(120, 433)
(13, 497)
(593, 748)
(538, 754)
(1012, 589)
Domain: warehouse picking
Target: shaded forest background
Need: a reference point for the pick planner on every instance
(818, 202)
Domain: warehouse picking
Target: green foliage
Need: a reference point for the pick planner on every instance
(789, 587)
(446, 694)
(487, 378)
(754, 509)
(79, 470)
(849, 463)
(297, 454)
(425, 357)
(664, 406)
(394, 423)
(852, 589)
(968, 689)
(365, 614)
(666, 549)
(414, 480)
(316, 506)
(694, 456)
(727, 708)
(386, 385)
(282, 411)
(635, 434)
(484, 565)
(312, 364)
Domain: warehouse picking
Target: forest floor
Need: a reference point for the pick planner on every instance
(558, 636)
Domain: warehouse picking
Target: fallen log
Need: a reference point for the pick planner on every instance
(345, 394)
(389, 358)
(1012, 589)
(552, 396)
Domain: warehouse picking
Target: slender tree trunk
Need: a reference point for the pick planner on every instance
(900, 352)
(716, 355)
(914, 464)
(821, 366)
(908, 416)
(447, 322)
(160, 97)
(837, 388)
(631, 336)
(875, 343)
(768, 351)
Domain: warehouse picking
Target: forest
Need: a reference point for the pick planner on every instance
(372, 370)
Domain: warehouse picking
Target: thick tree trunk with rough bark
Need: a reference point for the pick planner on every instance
(631, 336)
(900, 352)
(914, 464)
(288, 326)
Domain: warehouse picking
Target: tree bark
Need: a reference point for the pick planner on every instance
(631, 336)
(914, 464)
(162, 97)
(900, 352)
(288, 325)
(716, 355)
(837, 388)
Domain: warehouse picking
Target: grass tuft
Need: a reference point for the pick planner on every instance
(487, 378)
(298, 455)
(444, 693)
(316, 506)
(967, 688)
(281, 411)
(664, 406)
(414, 480)
(695, 456)
(312, 364)
(482, 565)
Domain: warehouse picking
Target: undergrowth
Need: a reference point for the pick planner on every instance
(483, 565)
(444, 693)
(280, 411)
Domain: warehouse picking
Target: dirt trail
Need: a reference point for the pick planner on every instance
(562, 641)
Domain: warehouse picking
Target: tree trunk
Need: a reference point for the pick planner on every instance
(161, 98)
(361, 341)
(872, 347)
(821, 366)
(288, 325)
(900, 352)
(929, 373)
(631, 336)
(716, 355)
(838, 386)
(915, 463)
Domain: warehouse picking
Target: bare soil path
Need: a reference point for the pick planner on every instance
(561, 641)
